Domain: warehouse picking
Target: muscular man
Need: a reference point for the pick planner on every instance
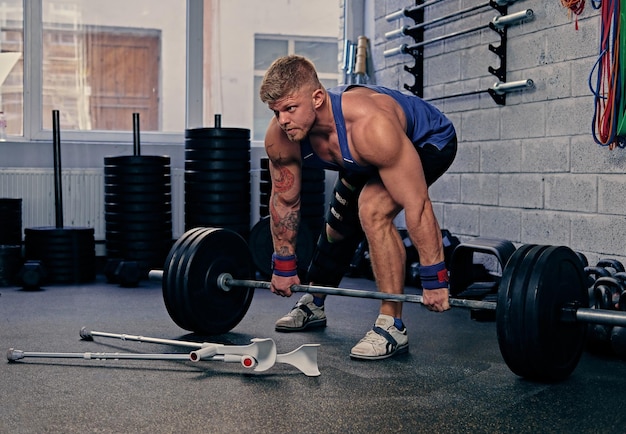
(388, 148)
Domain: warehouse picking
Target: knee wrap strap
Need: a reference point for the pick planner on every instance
(343, 213)
(331, 259)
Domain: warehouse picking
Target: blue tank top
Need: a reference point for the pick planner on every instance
(424, 124)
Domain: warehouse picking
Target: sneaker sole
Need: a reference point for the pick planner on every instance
(399, 350)
(311, 324)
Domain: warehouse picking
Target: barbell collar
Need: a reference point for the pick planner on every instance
(156, 275)
(225, 281)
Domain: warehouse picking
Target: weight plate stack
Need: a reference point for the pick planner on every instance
(10, 262)
(313, 196)
(138, 209)
(217, 179)
(10, 221)
(67, 254)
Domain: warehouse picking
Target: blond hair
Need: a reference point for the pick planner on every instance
(287, 75)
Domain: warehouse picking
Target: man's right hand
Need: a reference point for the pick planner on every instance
(282, 285)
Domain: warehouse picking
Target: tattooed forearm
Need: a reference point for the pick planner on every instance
(282, 180)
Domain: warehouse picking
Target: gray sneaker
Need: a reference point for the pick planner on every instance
(305, 314)
(384, 340)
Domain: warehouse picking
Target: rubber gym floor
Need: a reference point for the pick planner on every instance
(453, 380)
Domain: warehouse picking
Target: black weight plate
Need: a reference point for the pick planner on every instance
(199, 207)
(138, 198)
(131, 208)
(241, 154)
(137, 160)
(163, 179)
(216, 187)
(208, 136)
(137, 170)
(213, 310)
(138, 245)
(554, 347)
(508, 317)
(227, 197)
(533, 340)
(137, 218)
(262, 247)
(123, 236)
(157, 226)
(170, 271)
(216, 175)
(193, 197)
(137, 189)
(220, 220)
(224, 165)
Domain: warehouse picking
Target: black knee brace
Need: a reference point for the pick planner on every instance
(331, 258)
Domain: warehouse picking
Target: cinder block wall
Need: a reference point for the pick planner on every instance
(529, 171)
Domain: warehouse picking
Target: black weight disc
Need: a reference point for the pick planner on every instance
(216, 175)
(211, 136)
(137, 189)
(135, 160)
(141, 170)
(227, 165)
(137, 218)
(547, 349)
(227, 197)
(217, 187)
(169, 281)
(200, 207)
(151, 227)
(139, 208)
(507, 318)
(241, 154)
(211, 309)
(262, 247)
(137, 179)
(221, 220)
(164, 197)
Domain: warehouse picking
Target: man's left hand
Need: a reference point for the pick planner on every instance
(436, 299)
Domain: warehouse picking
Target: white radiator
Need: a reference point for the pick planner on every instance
(83, 197)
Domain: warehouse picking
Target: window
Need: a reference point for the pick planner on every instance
(322, 52)
(97, 63)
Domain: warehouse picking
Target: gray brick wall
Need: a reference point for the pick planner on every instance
(529, 171)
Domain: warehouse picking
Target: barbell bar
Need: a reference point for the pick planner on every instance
(226, 282)
(569, 312)
(541, 310)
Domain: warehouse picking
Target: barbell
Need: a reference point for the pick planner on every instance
(541, 308)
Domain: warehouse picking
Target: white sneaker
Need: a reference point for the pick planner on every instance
(384, 340)
(305, 314)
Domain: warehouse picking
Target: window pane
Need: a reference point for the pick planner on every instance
(104, 61)
(268, 50)
(322, 54)
(12, 64)
(262, 113)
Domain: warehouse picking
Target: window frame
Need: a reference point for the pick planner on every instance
(33, 130)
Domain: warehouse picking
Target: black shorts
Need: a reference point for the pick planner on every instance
(435, 161)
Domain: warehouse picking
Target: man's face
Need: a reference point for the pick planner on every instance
(295, 114)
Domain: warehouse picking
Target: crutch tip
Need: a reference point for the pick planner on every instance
(13, 355)
(85, 334)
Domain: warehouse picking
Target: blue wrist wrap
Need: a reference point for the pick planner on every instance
(434, 276)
